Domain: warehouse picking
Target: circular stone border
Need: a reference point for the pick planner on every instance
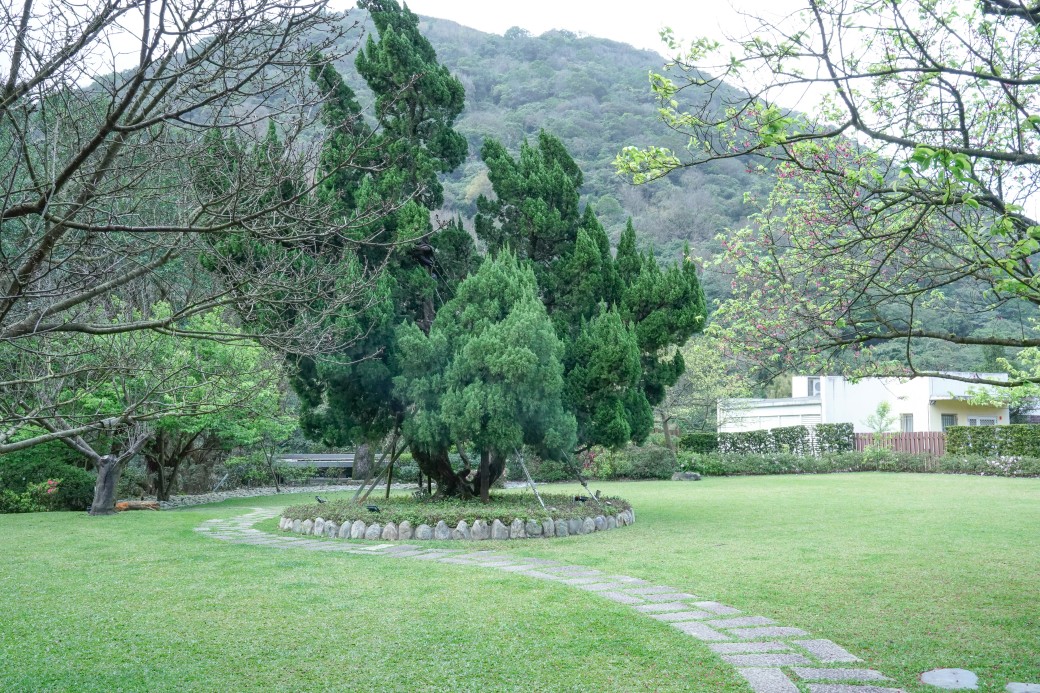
(478, 531)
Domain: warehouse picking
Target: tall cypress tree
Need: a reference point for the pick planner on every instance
(350, 399)
(611, 313)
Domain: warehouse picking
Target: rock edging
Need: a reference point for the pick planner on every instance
(478, 531)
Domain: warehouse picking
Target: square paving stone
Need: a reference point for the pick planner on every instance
(539, 574)
(621, 597)
(667, 606)
(841, 674)
(846, 688)
(681, 615)
(827, 651)
(768, 681)
(628, 580)
(747, 647)
(588, 580)
(601, 587)
(716, 608)
(741, 621)
(767, 632)
(765, 660)
(669, 597)
(699, 630)
(653, 589)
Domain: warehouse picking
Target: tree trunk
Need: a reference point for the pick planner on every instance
(665, 420)
(362, 462)
(484, 476)
(436, 465)
(105, 488)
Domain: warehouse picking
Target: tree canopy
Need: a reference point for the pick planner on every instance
(902, 229)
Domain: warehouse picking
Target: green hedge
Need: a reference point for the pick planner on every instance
(1014, 440)
(796, 440)
(717, 464)
(835, 438)
(699, 442)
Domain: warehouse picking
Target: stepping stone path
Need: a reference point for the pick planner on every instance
(771, 658)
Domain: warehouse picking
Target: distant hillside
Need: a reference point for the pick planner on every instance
(594, 94)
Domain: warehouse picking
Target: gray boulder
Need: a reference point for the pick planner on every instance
(480, 531)
(498, 530)
(357, 530)
(344, 530)
(461, 532)
(561, 528)
(389, 532)
(441, 532)
(319, 527)
(374, 531)
(306, 526)
(424, 532)
(588, 526)
(686, 476)
(533, 528)
(601, 523)
(331, 528)
(517, 530)
(573, 526)
(404, 531)
(548, 528)
(611, 522)
(297, 526)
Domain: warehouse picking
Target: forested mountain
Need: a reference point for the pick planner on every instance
(594, 95)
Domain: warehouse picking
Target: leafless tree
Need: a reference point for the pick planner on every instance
(159, 161)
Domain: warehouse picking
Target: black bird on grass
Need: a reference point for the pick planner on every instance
(319, 499)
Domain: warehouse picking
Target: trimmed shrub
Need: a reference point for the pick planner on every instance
(716, 464)
(699, 442)
(1015, 440)
(836, 437)
(746, 442)
(792, 439)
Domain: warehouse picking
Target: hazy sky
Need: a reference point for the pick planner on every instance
(636, 23)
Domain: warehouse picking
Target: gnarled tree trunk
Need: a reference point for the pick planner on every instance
(105, 489)
(362, 462)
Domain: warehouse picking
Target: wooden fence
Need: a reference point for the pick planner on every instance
(918, 443)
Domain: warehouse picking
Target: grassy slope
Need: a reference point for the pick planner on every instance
(909, 572)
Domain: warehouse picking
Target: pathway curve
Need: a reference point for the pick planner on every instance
(773, 658)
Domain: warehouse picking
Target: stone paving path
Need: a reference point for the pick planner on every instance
(771, 657)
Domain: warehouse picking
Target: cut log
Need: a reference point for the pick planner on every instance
(137, 505)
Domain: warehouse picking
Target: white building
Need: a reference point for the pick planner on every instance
(919, 404)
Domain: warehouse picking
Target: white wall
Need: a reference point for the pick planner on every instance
(757, 414)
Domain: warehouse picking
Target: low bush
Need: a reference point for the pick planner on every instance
(505, 508)
(19, 472)
(633, 462)
(721, 464)
(36, 498)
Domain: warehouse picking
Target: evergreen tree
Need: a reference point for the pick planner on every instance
(490, 374)
(351, 399)
(611, 313)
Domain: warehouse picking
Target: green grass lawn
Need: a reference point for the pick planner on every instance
(910, 572)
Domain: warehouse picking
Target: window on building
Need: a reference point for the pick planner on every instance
(814, 387)
(906, 422)
(982, 421)
(948, 420)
